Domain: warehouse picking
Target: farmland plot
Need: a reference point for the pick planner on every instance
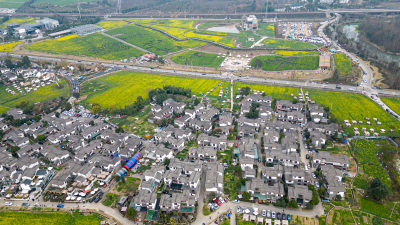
(275, 92)
(346, 106)
(121, 89)
(280, 63)
(150, 40)
(198, 59)
(278, 43)
(342, 64)
(42, 94)
(8, 47)
(15, 217)
(93, 45)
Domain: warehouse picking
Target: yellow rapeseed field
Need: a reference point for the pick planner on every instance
(8, 47)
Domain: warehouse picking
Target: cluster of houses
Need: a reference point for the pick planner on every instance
(24, 81)
(86, 152)
(35, 28)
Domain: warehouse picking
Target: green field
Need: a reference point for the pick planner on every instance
(276, 92)
(266, 29)
(61, 2)
(150, 40)
(93, 45)
(46, 93)
(11, 4)
(342, 64)
(369, 165)
(345, 106)
(54, 218)
(287, 44)
(393, 103)
(17, 20)
(280, 63)
(122, 88)
(195, 58)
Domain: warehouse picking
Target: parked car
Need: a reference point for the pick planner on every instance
(283, 216)
(288, 217)
(269, 213)
(273, 215)
(8, 203)
(317, 184)
(264, 213)
(26, 204)
(278, 216)
(60, 206)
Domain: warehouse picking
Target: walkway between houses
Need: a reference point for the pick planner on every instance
(124, 42)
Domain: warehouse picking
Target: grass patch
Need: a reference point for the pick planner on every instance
(108, 24)
(61, 2)
(365, 152)
(198, 59)
(346, 106)
(266, 29)
(342, 64)
(110, 199)
(382, 210)
(278, 43)
(280, 63)
(93, 45)
(150, 40)
(393, 103)
(206, 210)
(15, 20)
(130, 185)
(276, 92)
(10, 217)
(122, 88)
(42, 94)
(294, 53)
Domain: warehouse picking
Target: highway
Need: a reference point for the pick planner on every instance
(256, 80)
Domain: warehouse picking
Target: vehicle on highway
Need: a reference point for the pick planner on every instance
(60, 206)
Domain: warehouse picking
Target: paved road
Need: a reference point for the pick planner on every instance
(317, 211)
(298, 84)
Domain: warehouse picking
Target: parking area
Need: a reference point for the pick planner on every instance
(236, 62)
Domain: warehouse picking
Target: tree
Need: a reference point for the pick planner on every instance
(253, 114)
(91, 123)
(40, 138)
(246, 196)
(257, 63)
(377, 190)
(9, 64)
(293, 204)
(96, 108)
(119, 130)
(26, 63)
(245, 91)
(130, 213)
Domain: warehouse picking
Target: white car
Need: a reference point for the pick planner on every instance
(273, 215)
(264, 213)
(269, 213)
(8, 203)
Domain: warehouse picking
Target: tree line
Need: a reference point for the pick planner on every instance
(383, 32)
